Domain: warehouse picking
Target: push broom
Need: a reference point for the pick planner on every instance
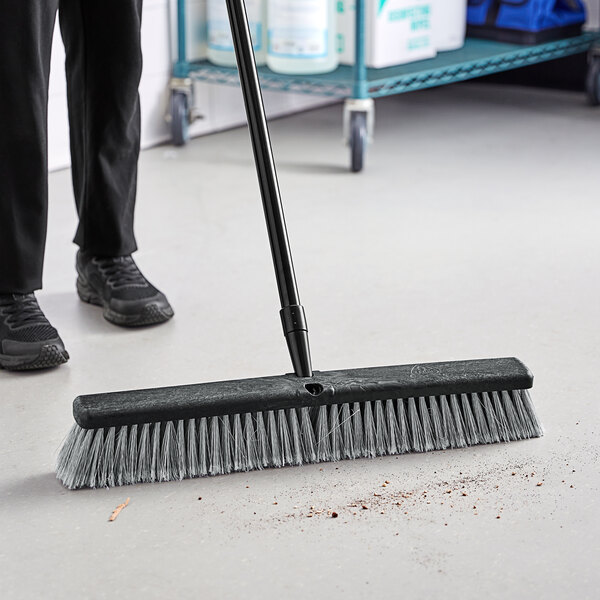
(172, 433)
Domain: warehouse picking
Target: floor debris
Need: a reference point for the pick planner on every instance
(115, 513)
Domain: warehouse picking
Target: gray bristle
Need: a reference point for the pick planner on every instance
(335, 433)
(347, 435)
(381, 430)
(155, 449)
(470, 426)
(483, 433)
(490, 417)
(107, 474)
(203, 452)
(251, 444)
(121, 457)
(296, 436)
(357, 424)
(309, 445)
(174, 450)
(416, 428)
(453, 422)
(403, 426)
(226, 441)
(276, 459)
(214, 467)
(239, 446)
(285, 442)
(322, 435)
(428, 440)
(370, 448)
(439, 434)
(262, 441)
(193, 467)
(393, 445)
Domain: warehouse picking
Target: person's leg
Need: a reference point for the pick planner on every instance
(26, 28)
(104, 63)
(27, 340)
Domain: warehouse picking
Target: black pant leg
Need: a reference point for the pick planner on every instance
(26, 28)
(104, 64)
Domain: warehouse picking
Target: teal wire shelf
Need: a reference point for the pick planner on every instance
(476, 59)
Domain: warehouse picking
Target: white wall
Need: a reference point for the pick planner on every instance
(221, 106)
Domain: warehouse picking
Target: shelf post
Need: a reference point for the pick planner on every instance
(360, 90)
(181, 66)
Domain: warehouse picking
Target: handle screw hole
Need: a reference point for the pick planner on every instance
(314, 388)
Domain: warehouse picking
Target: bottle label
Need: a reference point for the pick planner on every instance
(298, 28)
(219, 31)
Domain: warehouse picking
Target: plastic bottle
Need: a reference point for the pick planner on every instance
(220, 44)
(449, 24)
(302, 36)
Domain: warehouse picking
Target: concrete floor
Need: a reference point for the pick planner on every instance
(472, 233)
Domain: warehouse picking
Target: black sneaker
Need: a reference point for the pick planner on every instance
(117, 285)
(27, 340)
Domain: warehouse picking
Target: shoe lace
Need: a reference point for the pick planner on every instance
(22, 309)
(120, 271)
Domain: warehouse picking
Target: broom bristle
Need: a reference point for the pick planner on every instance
(174, 450)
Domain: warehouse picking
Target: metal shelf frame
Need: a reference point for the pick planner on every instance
(359, 84)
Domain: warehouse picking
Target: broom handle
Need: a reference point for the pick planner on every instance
(292, 312)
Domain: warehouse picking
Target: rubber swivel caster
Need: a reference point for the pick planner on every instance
(358, 141)
(180, 117)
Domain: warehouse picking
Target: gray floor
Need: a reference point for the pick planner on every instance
(472, 233)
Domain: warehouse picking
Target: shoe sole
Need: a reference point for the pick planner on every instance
(152, 314)
(50, 356)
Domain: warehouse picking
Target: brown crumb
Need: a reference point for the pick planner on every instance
(386, 481)
(274, 502)
(384, 485)
(334, 515)
(445, 524)
(199, 497)
(115, 513)
(383, 512)
(570, 486)
(474, 508)
(309, 515)
(513, 473)
(247, 486)
(376, 494)
(448, 491)
(465, 494)
(540, 483)
(365, 507)
(498, 517)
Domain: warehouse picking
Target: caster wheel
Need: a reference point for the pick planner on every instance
(592, 83)
(179, 118)
(358, 140)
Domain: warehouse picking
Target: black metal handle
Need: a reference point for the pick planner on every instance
(292, 312)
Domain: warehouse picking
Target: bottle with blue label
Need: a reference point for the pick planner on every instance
(220, 44)
(302, 36)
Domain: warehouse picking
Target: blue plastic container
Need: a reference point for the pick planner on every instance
(525, 21)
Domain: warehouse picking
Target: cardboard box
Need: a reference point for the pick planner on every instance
(397, 31)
